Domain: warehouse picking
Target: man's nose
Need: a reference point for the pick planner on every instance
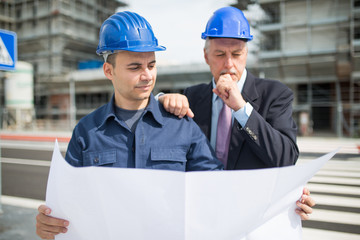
(146, 75)
(229, 63)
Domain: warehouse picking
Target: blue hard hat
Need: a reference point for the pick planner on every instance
(228, 22)
(127, 31)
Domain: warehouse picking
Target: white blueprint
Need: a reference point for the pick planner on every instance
(137, 204)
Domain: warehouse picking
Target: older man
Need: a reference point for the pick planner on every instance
(248, 120)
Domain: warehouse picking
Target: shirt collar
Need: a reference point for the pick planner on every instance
(109, 111)
(152, 107)
(240, 84)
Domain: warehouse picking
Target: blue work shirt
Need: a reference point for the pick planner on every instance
(160, 141)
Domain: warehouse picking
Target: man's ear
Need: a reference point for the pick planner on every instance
(108, 70)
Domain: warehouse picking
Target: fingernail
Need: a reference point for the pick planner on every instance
(47, 211)
(64, 230)
(66, 224)
(298, 203)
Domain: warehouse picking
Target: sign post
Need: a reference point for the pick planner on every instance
(8, 58)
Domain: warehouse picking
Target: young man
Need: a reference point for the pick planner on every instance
(133, 130)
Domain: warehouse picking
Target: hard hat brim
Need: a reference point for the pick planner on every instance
(204, 36)
(146, 49)
(132, 49)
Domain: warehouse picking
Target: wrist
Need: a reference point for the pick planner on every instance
(239, 105)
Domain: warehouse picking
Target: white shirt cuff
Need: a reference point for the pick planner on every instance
(158, 95)
(242, 115)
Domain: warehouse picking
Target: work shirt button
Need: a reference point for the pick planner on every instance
(96, 160)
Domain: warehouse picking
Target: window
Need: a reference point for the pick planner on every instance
(18, 13)
(357, 33)
(356, 3)
(271, 41)
(302, 93)
(18, 26)
(272, 11)
(34, 10)
(91, 100)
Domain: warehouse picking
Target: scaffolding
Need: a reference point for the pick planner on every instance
(354, 113)
(314, 46)
(55, 37)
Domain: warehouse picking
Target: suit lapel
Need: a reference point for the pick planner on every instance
(203, 109)
(249, 92)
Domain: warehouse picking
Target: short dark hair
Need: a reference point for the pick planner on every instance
(111, 59)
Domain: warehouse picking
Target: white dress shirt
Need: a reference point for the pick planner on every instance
(242, 115)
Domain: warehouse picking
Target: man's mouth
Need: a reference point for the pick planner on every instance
(143, 87)
(230, 73)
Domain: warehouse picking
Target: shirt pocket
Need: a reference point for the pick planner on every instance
(169, 158)
(100, 158)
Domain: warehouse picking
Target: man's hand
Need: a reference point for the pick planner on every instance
(305, 205)
(176, 104)
(228, 91)
(47, 227)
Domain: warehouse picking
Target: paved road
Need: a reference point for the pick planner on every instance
(25, 168)
(336, 187)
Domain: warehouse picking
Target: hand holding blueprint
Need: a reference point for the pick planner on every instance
(117, 203)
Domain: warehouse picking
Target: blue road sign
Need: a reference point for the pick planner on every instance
(8, 50)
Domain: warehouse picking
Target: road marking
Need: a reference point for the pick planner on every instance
(32, 145)
(26, 162)
(316, 187)
(332, 180)
(335, 217)
(21, 202)
(311, 234)
(34, 138)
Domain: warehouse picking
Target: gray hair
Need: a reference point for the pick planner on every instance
(207, 44)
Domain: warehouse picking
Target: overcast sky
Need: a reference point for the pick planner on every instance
(178, 26)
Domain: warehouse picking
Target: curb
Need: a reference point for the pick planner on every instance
(21, 202)
(39, 138)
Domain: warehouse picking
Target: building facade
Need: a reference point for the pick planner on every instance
(313, 46)
(56, 37)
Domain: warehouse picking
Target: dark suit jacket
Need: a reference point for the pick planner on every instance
(269, 137)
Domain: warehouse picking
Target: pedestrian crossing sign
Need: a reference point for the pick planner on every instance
(8, 50)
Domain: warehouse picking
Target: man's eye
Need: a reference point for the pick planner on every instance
(134, 68)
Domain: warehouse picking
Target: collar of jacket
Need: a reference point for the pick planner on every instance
(152, 109)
